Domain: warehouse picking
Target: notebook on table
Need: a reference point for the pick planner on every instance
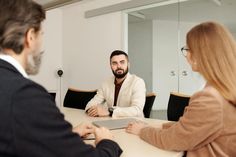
(113, 124)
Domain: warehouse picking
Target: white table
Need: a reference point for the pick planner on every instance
(132, 145)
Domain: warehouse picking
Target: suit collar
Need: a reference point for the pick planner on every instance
(10, 60)
(5, 65)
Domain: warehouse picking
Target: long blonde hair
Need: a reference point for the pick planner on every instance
(214, 49)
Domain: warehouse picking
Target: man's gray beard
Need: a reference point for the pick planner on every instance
(33, 64)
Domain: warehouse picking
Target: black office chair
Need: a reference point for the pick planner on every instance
(53, 95)
(150, 98)
(176, 105)
(77, 98)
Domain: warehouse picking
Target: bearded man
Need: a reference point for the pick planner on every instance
(122, 95)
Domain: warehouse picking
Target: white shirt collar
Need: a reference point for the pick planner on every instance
(15, 63)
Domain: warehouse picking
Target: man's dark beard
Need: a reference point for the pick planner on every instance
(119, 76)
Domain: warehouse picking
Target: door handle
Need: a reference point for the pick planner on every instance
(172, 73)
(184, 73)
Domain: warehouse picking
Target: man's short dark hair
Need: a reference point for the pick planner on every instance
(16, 18)
(118, 52)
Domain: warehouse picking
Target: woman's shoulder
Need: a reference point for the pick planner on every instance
(208, 90)
(207, 94)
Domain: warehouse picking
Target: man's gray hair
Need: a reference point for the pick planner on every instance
(16, 18)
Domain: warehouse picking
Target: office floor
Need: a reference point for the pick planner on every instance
(159, 114)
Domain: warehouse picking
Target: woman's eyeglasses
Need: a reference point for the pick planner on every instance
(184, 51)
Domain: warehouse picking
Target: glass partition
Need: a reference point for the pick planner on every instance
(156, 35)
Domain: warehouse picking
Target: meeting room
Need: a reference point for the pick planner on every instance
(128, 78)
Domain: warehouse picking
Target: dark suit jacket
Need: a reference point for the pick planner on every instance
(32, 126)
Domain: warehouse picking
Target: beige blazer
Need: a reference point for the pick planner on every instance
(131, 98)
(207, 128)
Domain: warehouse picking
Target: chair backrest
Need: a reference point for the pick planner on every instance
(53, 94)
(176, 105)
(77, 98)
(150, 98)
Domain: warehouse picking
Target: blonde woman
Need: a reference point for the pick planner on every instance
(208, 126)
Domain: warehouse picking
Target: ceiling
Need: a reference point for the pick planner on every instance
(50, 4)
(223, 11)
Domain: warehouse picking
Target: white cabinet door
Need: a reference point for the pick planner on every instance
(170, 69)
(165, 67)
(173, 71)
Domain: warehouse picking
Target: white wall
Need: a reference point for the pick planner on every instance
(79, 46)
(87, 44)
(52, 57)
(140, 51)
